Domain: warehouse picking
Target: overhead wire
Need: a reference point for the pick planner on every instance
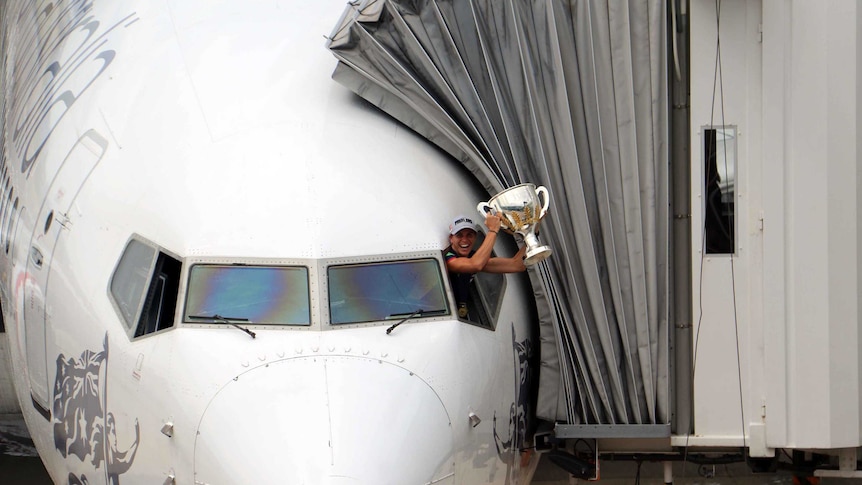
(718, 80)
(718, 92)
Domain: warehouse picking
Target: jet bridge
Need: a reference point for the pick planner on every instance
(703, 166)
(526, 92)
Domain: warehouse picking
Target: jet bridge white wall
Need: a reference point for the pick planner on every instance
(783, 312)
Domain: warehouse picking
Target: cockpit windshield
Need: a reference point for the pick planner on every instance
(385, 290)
(259, 295)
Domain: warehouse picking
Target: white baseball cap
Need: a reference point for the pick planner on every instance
(461, 222)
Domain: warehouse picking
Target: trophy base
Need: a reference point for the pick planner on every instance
(534, 255)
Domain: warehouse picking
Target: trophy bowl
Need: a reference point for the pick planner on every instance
(520, 209)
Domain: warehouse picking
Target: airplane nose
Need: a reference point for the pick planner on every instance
(332, 420)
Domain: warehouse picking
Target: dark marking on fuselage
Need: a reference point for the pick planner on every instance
(83, 426)
(508, 447)
(64, 49)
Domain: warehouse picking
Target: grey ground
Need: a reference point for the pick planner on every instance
(20, 465)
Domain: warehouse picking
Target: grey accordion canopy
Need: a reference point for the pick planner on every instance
(571, 95)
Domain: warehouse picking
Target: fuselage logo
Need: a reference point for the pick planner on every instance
(64, 48)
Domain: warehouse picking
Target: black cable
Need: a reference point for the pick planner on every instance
(730, 224)
(718, 87)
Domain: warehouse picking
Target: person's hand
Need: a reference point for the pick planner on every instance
(493, 222)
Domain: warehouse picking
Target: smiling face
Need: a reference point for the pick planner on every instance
(462, 241)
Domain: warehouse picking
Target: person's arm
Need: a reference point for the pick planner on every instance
(515, 264)
(480, 258)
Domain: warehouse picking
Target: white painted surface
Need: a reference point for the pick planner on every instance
(227, 141)
(723, 293)
(788, 302)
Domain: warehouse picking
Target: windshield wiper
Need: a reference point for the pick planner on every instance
(411, 315)
(228, 320)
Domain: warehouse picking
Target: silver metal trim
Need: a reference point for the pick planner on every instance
(612, 431)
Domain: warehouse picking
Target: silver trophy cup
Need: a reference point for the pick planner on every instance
(520, 210)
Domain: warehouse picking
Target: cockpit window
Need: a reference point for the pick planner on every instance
(144, 288)
(130, 280)
(385, 290)
(260, 295)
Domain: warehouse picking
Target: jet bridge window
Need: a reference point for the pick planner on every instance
(144, 288)
(259, 295)
(385, 291)
(719, 156)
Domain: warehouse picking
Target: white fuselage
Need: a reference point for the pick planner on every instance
(212, 132)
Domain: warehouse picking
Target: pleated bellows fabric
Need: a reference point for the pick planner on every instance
(571, 95)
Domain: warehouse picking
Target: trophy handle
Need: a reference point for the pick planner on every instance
(541, 190)
(484, 209)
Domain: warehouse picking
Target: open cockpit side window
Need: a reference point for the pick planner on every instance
(144, 288)
(478, 296)
(161, 301)
(486, 292)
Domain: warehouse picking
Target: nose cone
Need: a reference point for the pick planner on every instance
(325, 420)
